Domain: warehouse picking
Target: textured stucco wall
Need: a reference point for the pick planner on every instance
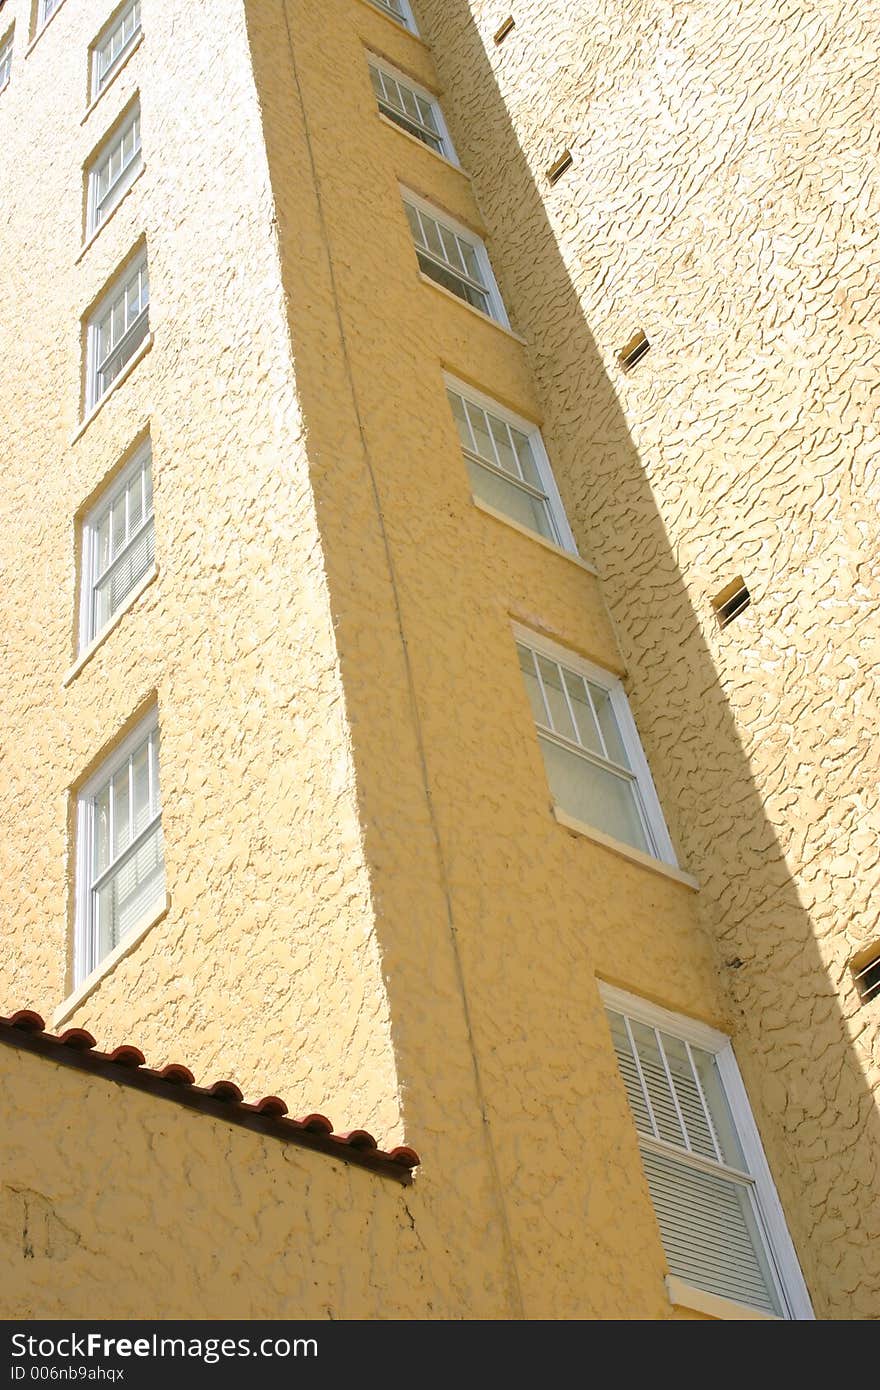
(373, 910)
(723, 197)
(265, 966)
(165, 1213)
(492, 920)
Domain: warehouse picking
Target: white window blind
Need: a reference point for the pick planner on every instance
(113, 168)
(454, 258)
(508, 466)
(709, 1205)
(117, 328)
(412, 109)
(5, 61)
(113, 43)
(118, 545)
(121, 860)
(595, 765)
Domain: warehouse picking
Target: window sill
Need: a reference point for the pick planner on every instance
(555, 549)
(110, 215)
(684, 1295)
(657, 866)
(123, 376)
(88, 652)
(396, 24)
(40, 32)
(484, 318)
(414, 140)
(104, 90)
(108, 964)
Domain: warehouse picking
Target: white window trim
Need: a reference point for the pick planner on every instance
(92, 399)
(39, 22)
(83, 966)
(121, 58)
(545, 471)
(626, 724)
(88, 541)
(408, 19)
(490, 284)
(7, 41)
(126, 177)
(447, 151)
(784, 1261)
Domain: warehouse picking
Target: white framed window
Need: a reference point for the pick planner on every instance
(112, 168)
(112, 44)
(120, 856)
(722, 1226)
(595, 764)
(116, 328)
(5, 59)
(411, 107)
(399, 10)
(118, 544)
(45, 11)
(453, 257)
(508, 464)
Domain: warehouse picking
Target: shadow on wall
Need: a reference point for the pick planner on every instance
(813, 1106)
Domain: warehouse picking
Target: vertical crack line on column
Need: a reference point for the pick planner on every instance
(423, 763)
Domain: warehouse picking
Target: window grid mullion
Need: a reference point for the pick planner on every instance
(514, 452)
(598, 726)
(540, 680)
(641, 1075)
(624, 773)
(508, 477)
(682, 1126)
(569, 706)
(697, 1161)
(124, 855)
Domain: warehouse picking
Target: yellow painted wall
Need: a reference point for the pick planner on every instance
(265, 966)
(723, 198)
(372, 908)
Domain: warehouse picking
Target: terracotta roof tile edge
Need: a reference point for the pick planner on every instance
(126, 1065)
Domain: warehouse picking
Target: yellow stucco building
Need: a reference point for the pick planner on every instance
(439, 545)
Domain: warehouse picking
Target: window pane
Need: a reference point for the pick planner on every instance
(482, 434)
(504, 451)
(478, 298)
(141, 813)
(526, 458)
(121, 818)
(131, 566)
(591, 794)
(586, 724)
(710, 1234)
(608, 724)
(461, 420)
(506, 496)
(629, 1072)
(132, 893)
(551, 678)
(660, 1092)
(119, 535)
(102, 829)
(533, 685)
(722, 1120)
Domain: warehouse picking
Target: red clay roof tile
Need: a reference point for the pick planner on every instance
(126, 1065)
